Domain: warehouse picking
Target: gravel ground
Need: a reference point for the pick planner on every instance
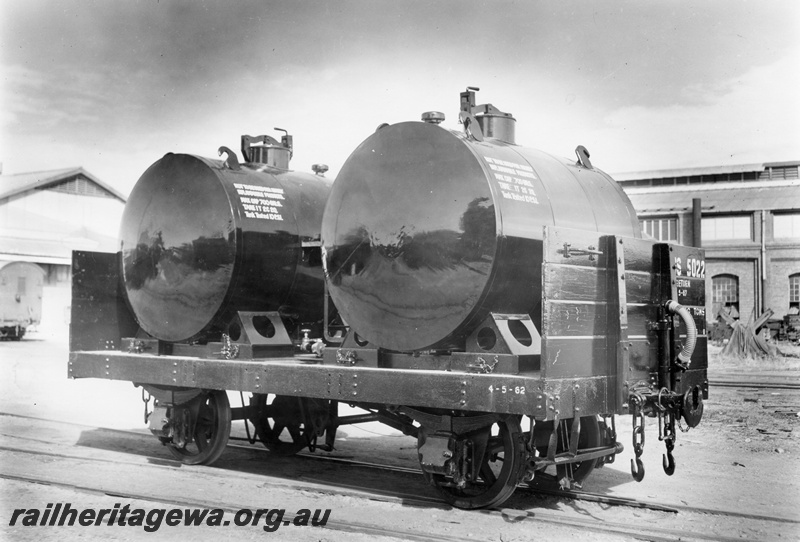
(743, 458)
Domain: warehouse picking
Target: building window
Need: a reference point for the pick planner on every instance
(786, 225)
(727, 227)
(725, 292)
(663, 229)
(794, 291)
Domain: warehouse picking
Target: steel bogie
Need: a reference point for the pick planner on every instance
(287, 425)
(477, 468)
(195, 431)
(558, 448)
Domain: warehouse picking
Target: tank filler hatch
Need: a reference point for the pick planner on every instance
(485, 120)
(267, 150)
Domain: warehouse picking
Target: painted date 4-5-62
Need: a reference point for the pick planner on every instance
(519, 390)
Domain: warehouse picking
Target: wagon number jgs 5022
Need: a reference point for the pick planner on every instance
(694, 268)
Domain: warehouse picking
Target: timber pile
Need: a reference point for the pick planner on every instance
(792, 325)
(746, 341)
(722, 329)
(786, 328)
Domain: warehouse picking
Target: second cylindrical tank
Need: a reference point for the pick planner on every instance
(202, 239)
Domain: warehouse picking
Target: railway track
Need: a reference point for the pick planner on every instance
(744, 383)
(612, 528)
(561, 493)
(324, 487)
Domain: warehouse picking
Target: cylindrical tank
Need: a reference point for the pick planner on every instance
(427, 231)
(202, 240)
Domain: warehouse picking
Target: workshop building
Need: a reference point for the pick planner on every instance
(45, 215)
(747, 217)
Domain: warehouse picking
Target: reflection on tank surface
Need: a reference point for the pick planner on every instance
(389, 269)
(150, 258)
(178, 277)
(478, 225)
(436, 250)
(141, 263)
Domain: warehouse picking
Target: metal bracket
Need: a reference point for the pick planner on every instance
(346, 357)
(229, 350)
(137, 346)
(471, 126)
(569, 252)
(583, 157)
(231, 162)
(483, 367)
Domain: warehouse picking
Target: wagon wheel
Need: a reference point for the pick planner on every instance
(211, 429)
(499, 473)
(589, 438)
(283, 425)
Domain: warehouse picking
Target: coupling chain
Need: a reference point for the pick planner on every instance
(666, 432)
(611, 439)
(637, 412)
(146, 400)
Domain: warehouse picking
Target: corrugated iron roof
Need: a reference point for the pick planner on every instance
(53, 247)
(686, 172)
(698, 171)
(52, 250)
(719, 197)
(11, 185)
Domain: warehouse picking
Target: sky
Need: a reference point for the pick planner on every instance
(113, 85)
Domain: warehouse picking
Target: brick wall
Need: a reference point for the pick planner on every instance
(744, 270)
(778, 272)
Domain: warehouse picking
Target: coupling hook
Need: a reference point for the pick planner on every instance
(668, 463)
(637, 469)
